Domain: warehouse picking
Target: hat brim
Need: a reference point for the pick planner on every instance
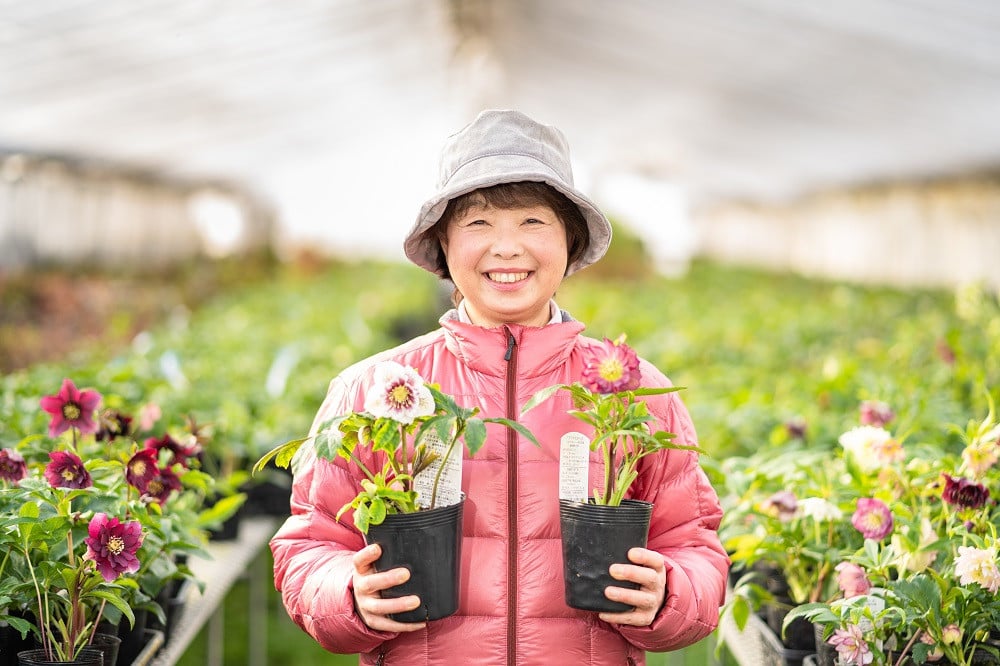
(495, 170)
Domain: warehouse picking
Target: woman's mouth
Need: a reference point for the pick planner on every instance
(507, 278)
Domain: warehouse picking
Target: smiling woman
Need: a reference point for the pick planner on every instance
(506, 226)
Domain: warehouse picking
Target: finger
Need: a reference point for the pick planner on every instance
(373, 583)
(646, 558)
(642, 576)
(376, 611)
(364, 559)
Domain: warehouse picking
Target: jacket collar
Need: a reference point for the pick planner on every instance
(539, 350)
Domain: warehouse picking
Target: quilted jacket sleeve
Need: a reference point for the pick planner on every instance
(312, 551)
(684, 529)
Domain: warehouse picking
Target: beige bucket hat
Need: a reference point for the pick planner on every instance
(504, 146)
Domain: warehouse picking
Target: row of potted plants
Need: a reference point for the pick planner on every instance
(98, 512)
(157, 438)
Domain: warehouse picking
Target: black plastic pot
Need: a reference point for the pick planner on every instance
(108, 645)
(11, 643)
(594, 537)
(429, 544)
(87, 657)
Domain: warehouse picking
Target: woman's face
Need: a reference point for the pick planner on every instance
(507, 263)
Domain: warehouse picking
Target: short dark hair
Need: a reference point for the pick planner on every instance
(505, 196)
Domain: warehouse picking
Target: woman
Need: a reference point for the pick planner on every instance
(505, 227)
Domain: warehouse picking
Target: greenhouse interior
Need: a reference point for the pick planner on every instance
(203, 209)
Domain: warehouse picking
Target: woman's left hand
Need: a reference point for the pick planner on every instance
(648, 571)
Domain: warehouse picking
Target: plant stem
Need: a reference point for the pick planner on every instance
(444, 461)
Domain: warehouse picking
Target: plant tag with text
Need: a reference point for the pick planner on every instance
(574, 463)
(450, 485)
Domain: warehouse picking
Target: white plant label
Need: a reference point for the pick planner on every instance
(574, 463)
(450, 486)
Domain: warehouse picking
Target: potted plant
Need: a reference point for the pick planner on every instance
(922, 587)
(599, 531)
(87, 521)
(409, 497)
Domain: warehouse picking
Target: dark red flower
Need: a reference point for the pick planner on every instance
(71, 408)
(112, 545)
(796, 428)
(67, 471)
(964, 493)
(162, 485)
(179, 452)
(12, 466)
(112, 424)
(141, 469)
(612, 368)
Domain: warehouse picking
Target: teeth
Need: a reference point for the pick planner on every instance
(507, 277)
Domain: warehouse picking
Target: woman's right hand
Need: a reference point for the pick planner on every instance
(373, 609)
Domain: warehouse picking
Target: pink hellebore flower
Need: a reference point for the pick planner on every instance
(112, 545)
(12, 466)
(67, 471)
(398, 393)
(951, 634)
(149, 414)
(613, 368)
(852, 580)
(876, 413)
(872, 518)
(851, 646)
(71, 408)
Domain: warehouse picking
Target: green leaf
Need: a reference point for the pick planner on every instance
(475, 435)
(118, 602)
(282, 454)
(541, 397)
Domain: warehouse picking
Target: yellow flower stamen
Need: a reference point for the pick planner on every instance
(71, 411)
(116, 545)
(611, 370)
(400, 395)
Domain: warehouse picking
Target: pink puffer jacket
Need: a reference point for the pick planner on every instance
(512, 608)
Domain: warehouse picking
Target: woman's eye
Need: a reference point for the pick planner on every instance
(533, 220)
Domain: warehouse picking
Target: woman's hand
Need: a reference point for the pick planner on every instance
(648, 571)
(373, 609)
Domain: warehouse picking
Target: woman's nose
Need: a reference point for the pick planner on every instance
(506, 242)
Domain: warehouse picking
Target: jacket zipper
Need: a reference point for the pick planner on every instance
(381, 658)
(511, 357)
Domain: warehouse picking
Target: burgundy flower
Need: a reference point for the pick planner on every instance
(179, 452)
(112, 545)
(162, 485)
(876, 413)
(71, 408)
(112, 424)
(67, 471)
(782, 504)
(964, 493)
(141, 469)
(872, 518)
(12, 466)
(612, 368)
(796, 428)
